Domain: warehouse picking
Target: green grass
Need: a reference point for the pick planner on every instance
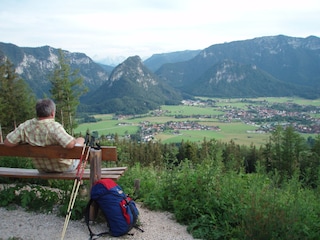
(190, 110)
(107, 126)
(161, 119)
(235, 102)
(299, 101)
(236, 132)
(191, 135)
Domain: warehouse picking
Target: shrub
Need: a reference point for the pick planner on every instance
(32, 198)
(216, 204)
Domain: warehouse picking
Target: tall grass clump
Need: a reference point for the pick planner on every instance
(152, 191)
(273, 212)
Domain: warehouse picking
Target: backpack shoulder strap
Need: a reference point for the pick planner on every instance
(87, 220)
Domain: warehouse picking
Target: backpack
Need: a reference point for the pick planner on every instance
(119, 210)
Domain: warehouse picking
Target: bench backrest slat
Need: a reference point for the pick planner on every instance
(109, 153)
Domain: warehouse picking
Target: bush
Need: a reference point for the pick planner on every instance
(32, 198)
(215, 204)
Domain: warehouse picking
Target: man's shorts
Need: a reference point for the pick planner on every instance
(75, 162)
(73, 166)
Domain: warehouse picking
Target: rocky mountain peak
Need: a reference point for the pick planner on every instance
(133, 68)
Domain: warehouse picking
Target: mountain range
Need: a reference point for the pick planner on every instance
(293, 61)
(260, 67)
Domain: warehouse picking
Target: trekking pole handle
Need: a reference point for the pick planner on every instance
(86, 140)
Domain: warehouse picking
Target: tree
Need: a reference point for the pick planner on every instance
(67, 87)
(251, 159)
(284, 149)
(292, 145)
(188, 150)
(16, 99)
(232, 157)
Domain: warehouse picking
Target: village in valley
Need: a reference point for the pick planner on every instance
(263, 115)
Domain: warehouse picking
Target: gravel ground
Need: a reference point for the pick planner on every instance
(18, 224)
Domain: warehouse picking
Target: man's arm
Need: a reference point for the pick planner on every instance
(76, 142)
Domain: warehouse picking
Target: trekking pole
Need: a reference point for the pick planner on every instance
(76, 185)
(78, 170)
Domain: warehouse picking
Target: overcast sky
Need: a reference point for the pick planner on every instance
(110, 28)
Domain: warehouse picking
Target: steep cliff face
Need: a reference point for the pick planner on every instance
(35, 65)
(288, 59)
(231, 79)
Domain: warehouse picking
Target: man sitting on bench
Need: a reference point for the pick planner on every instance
(44, 131)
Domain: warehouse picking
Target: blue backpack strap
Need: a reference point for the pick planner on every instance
(87, 220)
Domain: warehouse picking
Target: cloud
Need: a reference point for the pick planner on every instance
(103, 28)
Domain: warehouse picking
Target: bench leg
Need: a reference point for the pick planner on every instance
(95, 166)
(95, 175)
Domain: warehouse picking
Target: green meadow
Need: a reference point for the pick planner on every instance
(238, 132)
(106, 125)
(300, 101)
(190, 110)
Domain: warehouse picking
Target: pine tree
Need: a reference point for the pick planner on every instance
(276, 144)
(67, 87)
(16, 99)
(188, 150)
(284, 148)
(251, 159)
(292, 145)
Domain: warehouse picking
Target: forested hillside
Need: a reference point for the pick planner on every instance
(291, 61)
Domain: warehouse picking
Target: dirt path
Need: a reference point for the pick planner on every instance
(32, 226)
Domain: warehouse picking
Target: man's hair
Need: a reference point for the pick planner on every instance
(45, 107)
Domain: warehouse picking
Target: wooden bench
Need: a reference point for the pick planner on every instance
(106, 153)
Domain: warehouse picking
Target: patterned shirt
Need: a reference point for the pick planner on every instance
(42, 133)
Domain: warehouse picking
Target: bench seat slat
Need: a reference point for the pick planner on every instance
(114, 169)
(113, 173)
